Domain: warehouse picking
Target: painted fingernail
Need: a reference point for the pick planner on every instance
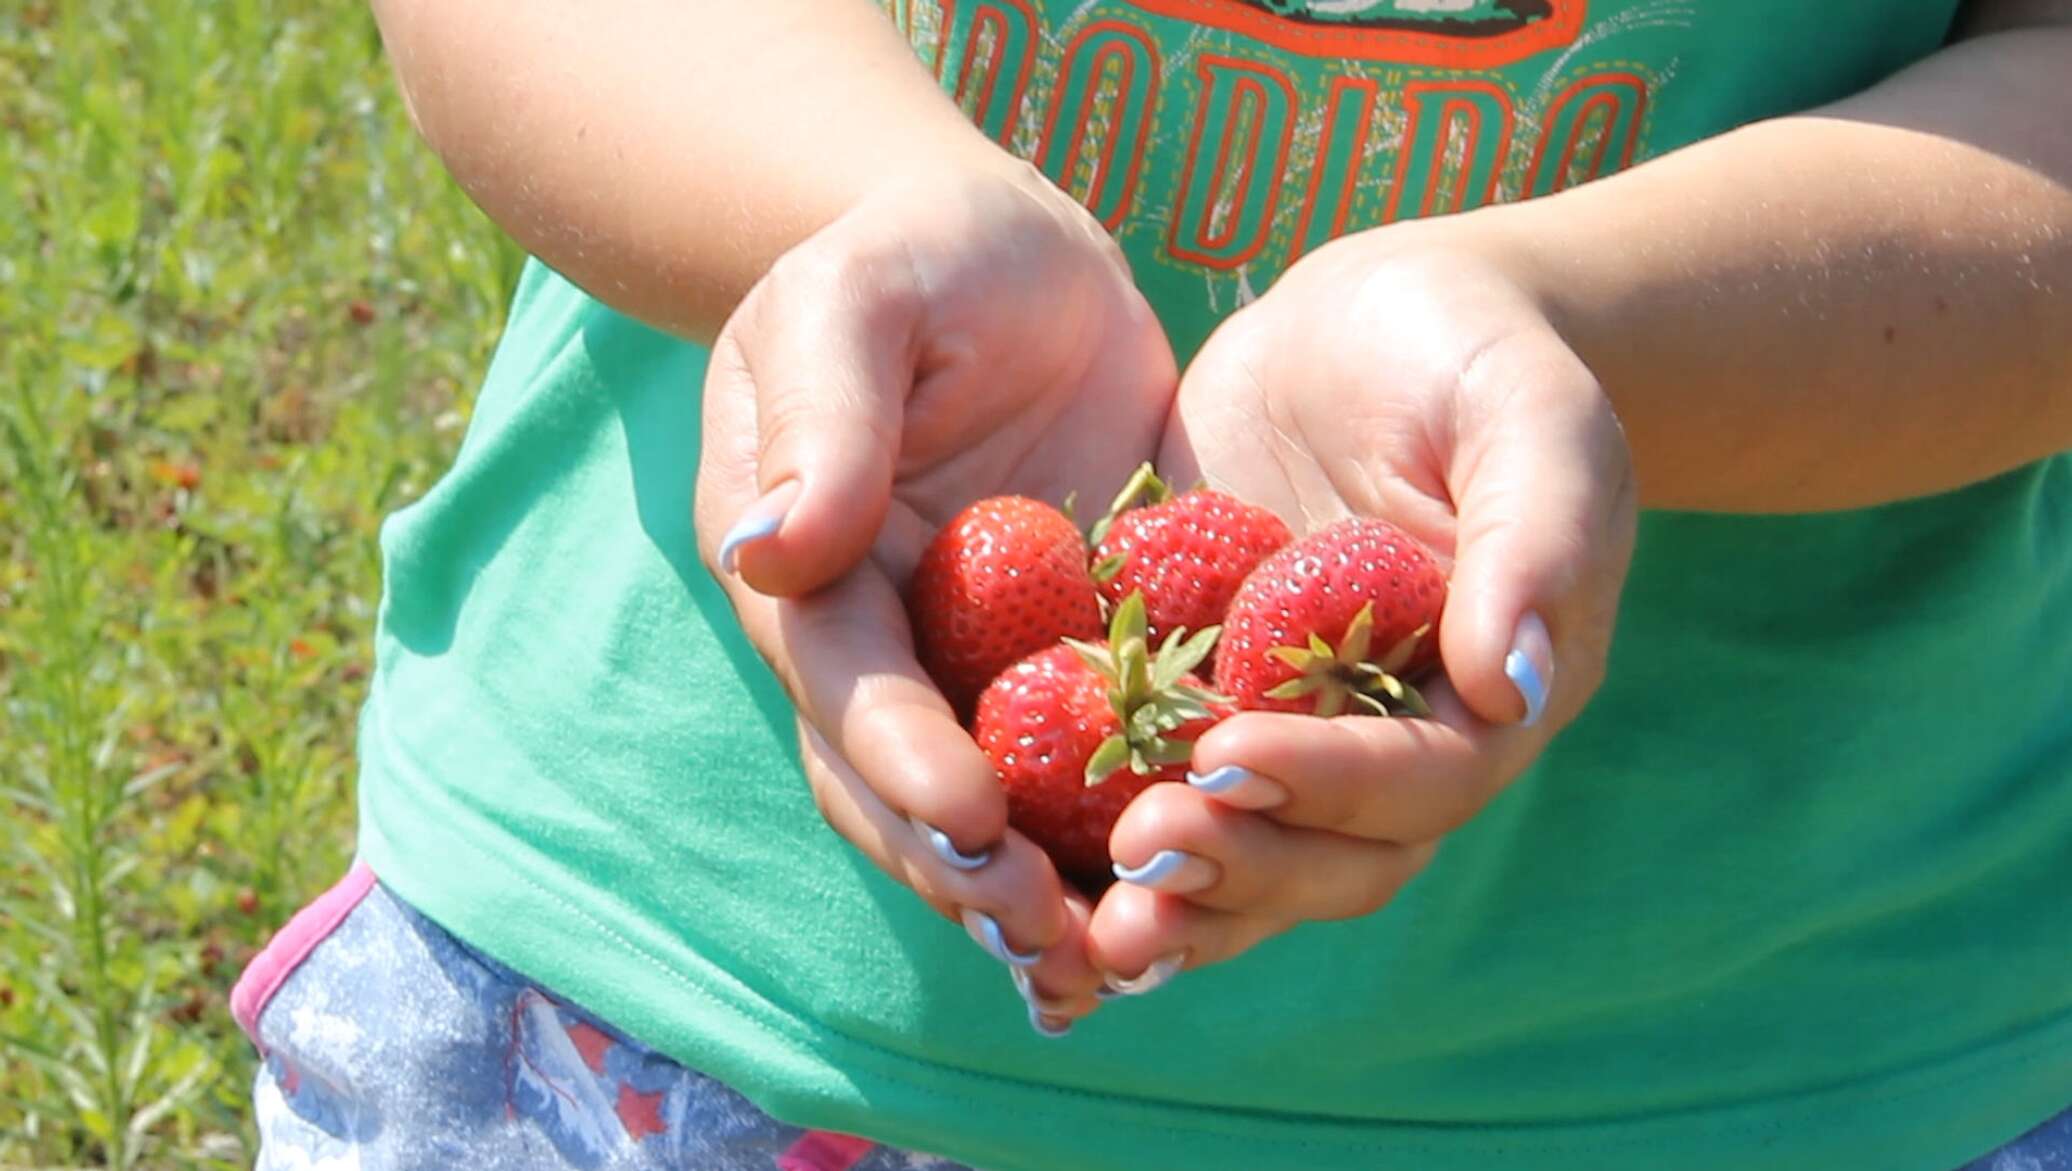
(1530, 666)
(762, 519)
(1048, 1026)
(1172, 871)
(1150, 978)
(985, 930)
(947, 850)
(1239, 787)
(1037, 1001)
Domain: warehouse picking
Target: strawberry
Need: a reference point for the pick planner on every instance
(1007, 576)
(1186, 554)
(1340, 619)
(1076, 731)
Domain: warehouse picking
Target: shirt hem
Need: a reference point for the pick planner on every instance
(811, 1076)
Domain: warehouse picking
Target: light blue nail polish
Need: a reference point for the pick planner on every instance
(986, 931)
(1222, 780)
(1240, 787)
(1026, 986)
(1533, 689)
(947, 850)
(748, 528)
(1150, 978)
(1104, 992)
(1045, 1028)
(1163, 865)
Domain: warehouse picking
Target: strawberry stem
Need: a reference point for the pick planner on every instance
(1147, 691)
(1343, 676)
(1143, 488)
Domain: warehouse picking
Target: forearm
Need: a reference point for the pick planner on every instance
(662, 153)
(1865, 303)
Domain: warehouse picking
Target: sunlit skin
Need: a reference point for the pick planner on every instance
(1545, 378)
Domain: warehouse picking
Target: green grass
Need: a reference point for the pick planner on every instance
(241, 311)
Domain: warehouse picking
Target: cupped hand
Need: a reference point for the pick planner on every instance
(1409, 374)
(962, 336)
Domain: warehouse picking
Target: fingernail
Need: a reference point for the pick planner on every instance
(1037, 1001)
(1530, 666)
(985, 930)
(1150, 978)
(1172, 871)
(762, 518)
(1048, 1026)
(1239, 787)
(947, 850)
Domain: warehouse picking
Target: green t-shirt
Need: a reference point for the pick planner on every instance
(1792, 894)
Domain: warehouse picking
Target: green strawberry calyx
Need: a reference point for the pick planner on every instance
(1148, 691)
(1344, 676)
(1143, 489)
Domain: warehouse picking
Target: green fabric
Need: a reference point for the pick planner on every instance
(1793, 894)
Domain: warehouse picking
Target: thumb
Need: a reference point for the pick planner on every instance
(1544, 536)
(823, 346)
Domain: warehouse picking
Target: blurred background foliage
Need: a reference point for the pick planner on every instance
(241, 313)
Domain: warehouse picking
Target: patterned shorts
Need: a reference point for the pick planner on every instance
(389, 1045)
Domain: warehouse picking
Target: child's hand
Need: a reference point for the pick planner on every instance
(1405, 374)
(957, 339)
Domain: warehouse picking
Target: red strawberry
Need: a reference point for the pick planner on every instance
(1077, 730)
(1343, 617)
(1007, 576)
(1186, 554)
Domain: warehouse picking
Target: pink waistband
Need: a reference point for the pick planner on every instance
(292, 944)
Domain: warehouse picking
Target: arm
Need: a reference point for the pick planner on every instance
(1880, 308)
(663, 153)
(943, 325)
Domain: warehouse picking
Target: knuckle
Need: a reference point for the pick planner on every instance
(1335, 799)
(923, 877)
(809, 271)
(1470, 793)
(1128, 911)
(848, 263)
(1370, 897)
(820, 784)
(786, 415)
(1342, 807)
(1411, 820)
(1379, 881)
(1352, 885)
(1164, 813)
(1235, 938)
(939, 883)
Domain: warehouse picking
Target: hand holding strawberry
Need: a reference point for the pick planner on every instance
(1077, 730)
(1407, 374)
(965, 336)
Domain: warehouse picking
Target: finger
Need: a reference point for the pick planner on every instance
(1393, 780)
(846, 657)
(1185, 843)
(1542, 487)
(1141, 939)
(1017, 890)
(824, 347)
(1063, 987)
